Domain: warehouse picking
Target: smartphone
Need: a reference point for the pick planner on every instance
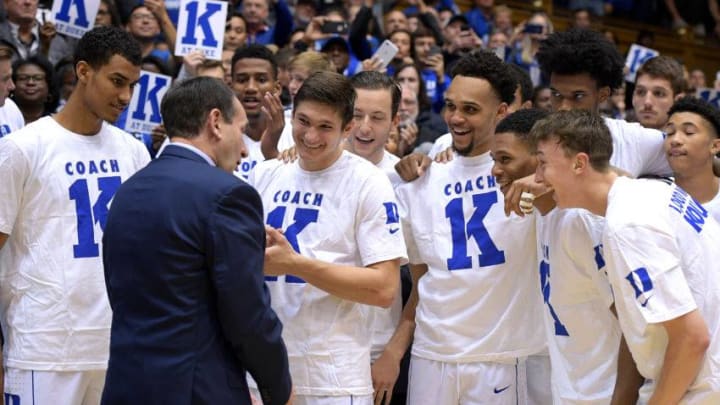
(534, 28)
(434, 50)
(335, 27)
(385, 53)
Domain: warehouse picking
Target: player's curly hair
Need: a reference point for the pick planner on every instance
(699, 107)
(581, 51)
(483, 64)
(98, 45)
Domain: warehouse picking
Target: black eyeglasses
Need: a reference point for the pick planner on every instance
(26, 78)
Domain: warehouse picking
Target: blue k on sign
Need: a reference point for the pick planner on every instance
(201, 25)
(144, 110)
(74, 17)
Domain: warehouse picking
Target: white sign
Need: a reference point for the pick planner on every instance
(712, 96)
(637, 55)
(74, 17)
(144, 111)
(201, 26)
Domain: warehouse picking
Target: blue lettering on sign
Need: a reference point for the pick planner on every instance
(149, 95)
(203, 21)
(461, 232)
(64, 13)
(88, 216)
(560, 329)
(640, 281)
(302, 218)
(12, 399)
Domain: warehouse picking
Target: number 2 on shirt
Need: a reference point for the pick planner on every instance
(462, 231)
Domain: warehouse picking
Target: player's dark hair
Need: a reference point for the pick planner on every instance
(372, 80)
(581, 51)
(255, 51)
(576, 131)
(331, 89)
(522, 79)
(186, 105)
(483, 64)
(100, 44)
(700, 107)
(521, 122)
(667, 68)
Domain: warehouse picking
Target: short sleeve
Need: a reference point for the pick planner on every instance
(379, 231)
(14, 171)
(646, 265)
(650, 148)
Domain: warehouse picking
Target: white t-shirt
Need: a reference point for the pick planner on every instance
(441, 143)
(714, 207)
(479, 300)
(57, 187)
(583, 335)
(636, 149)
(386, 319)
(11, 119)
(255, 156)
(286, 140)
(661, 255)
(345, 214)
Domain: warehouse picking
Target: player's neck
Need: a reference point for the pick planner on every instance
(702, 186)
(78, 118)
(255, 129)
(596, 194)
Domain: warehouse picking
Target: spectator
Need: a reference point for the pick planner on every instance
(581, 18)
(259, 30)
(530, 34)
(145, 26)
(460, 39)
(339, 52)
(429, 56)
(702, 15)
(395, 20)
(65, 81)
(235, 32)
(696, 80)
(21, 29)
(481, 16)
(305, 10)
(659, 82)
(34, 91)
(502, 20)
(542, 97)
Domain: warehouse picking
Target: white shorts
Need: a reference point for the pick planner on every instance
(539, 388)
(53, 387)
(322, 400)
(440, 383)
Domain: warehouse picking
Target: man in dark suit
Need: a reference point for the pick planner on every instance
(183, 251)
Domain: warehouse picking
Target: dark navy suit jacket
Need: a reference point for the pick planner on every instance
(183, 250)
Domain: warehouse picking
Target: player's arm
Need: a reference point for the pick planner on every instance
(628, 379)
(375, 284)
(386, 368)
(688, 340)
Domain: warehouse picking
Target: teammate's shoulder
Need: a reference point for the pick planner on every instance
(619, 127)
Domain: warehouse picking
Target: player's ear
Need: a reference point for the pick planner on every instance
(581, 163)
(604, 93)
(502, 112)
(82, 70)
(715, 146)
